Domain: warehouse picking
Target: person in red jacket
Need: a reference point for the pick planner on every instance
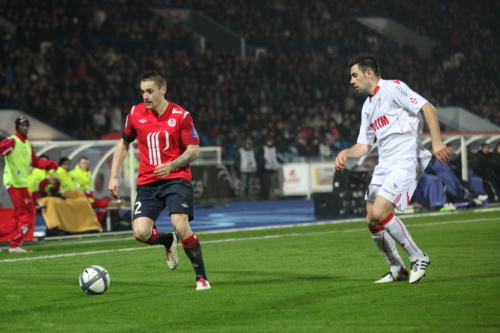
(19, 155)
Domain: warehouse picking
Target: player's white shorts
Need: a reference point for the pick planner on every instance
(395, 182)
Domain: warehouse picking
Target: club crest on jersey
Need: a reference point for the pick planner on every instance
(171, 122)
(194, 134)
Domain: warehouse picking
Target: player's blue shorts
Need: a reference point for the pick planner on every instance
(176, 194)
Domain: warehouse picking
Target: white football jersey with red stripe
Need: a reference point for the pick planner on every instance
(160, 139)
(392, 115)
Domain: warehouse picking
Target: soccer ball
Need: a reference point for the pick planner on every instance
(94, 280)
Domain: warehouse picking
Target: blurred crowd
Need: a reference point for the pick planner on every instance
(77, 64)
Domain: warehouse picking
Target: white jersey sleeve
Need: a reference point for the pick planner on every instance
(366, 132)
(404, 97)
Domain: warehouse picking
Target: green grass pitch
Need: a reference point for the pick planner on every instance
(316, 278)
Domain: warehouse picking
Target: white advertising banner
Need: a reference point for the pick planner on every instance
(322, 176)
(296, 179)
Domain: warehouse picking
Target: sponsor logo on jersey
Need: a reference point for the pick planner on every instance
(413, 100)
(401, 91)
(194, 134)
(176, 111)
(142, 121)
(394, 187)
(379, 123)
(171, 122)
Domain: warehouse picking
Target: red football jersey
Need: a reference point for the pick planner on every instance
(161, 139)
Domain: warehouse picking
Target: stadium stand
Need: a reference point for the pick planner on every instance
(77, 65)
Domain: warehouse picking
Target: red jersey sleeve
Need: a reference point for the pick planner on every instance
(189, 135)
(6, 146)
(41, 164)
(129, 134)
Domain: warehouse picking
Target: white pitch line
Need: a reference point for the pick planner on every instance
(238, 239)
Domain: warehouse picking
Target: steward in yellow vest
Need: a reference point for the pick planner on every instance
(19, 155)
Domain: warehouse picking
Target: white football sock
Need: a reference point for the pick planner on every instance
(398, 231)
(387, 247)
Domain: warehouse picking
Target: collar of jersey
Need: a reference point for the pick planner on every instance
(21, 137)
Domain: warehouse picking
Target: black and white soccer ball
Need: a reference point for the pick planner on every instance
(94, 280)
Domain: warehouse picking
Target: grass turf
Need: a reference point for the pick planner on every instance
(299, 279)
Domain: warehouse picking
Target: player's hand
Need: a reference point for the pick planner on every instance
(163, 170)
(441, 152)
(340, 161)
(113, 187)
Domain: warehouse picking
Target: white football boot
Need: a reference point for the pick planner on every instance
(418, 267)
(394, 276)
(18, 250)
(172, 255)
(202, 284)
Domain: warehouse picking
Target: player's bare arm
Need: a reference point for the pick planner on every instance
(438, 148)
(118, 158)
(192, 152)
(355, 151)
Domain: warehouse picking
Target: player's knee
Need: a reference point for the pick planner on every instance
(141, 234)
(180, 222)
(380, 214)
(371, 222)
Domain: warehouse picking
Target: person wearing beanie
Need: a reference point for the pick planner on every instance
(19, 155)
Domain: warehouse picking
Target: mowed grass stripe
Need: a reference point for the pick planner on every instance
(240, 239)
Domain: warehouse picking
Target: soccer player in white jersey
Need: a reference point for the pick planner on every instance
(392, 114)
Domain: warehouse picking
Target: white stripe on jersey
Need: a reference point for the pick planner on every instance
(7, 152)
(185, 114)
(154, 148)
(149, 148)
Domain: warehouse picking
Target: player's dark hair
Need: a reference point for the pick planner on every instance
(365, 61)
(62, 160)
(155, 77)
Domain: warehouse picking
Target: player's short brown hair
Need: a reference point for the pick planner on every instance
(365, 61)
(155, 77)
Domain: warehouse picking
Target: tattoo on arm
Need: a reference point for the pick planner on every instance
(183, 160)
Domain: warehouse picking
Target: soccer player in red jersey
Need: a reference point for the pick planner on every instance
(168, 142)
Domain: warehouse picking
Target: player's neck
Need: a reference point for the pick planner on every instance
(374, 88)
(162, 107)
